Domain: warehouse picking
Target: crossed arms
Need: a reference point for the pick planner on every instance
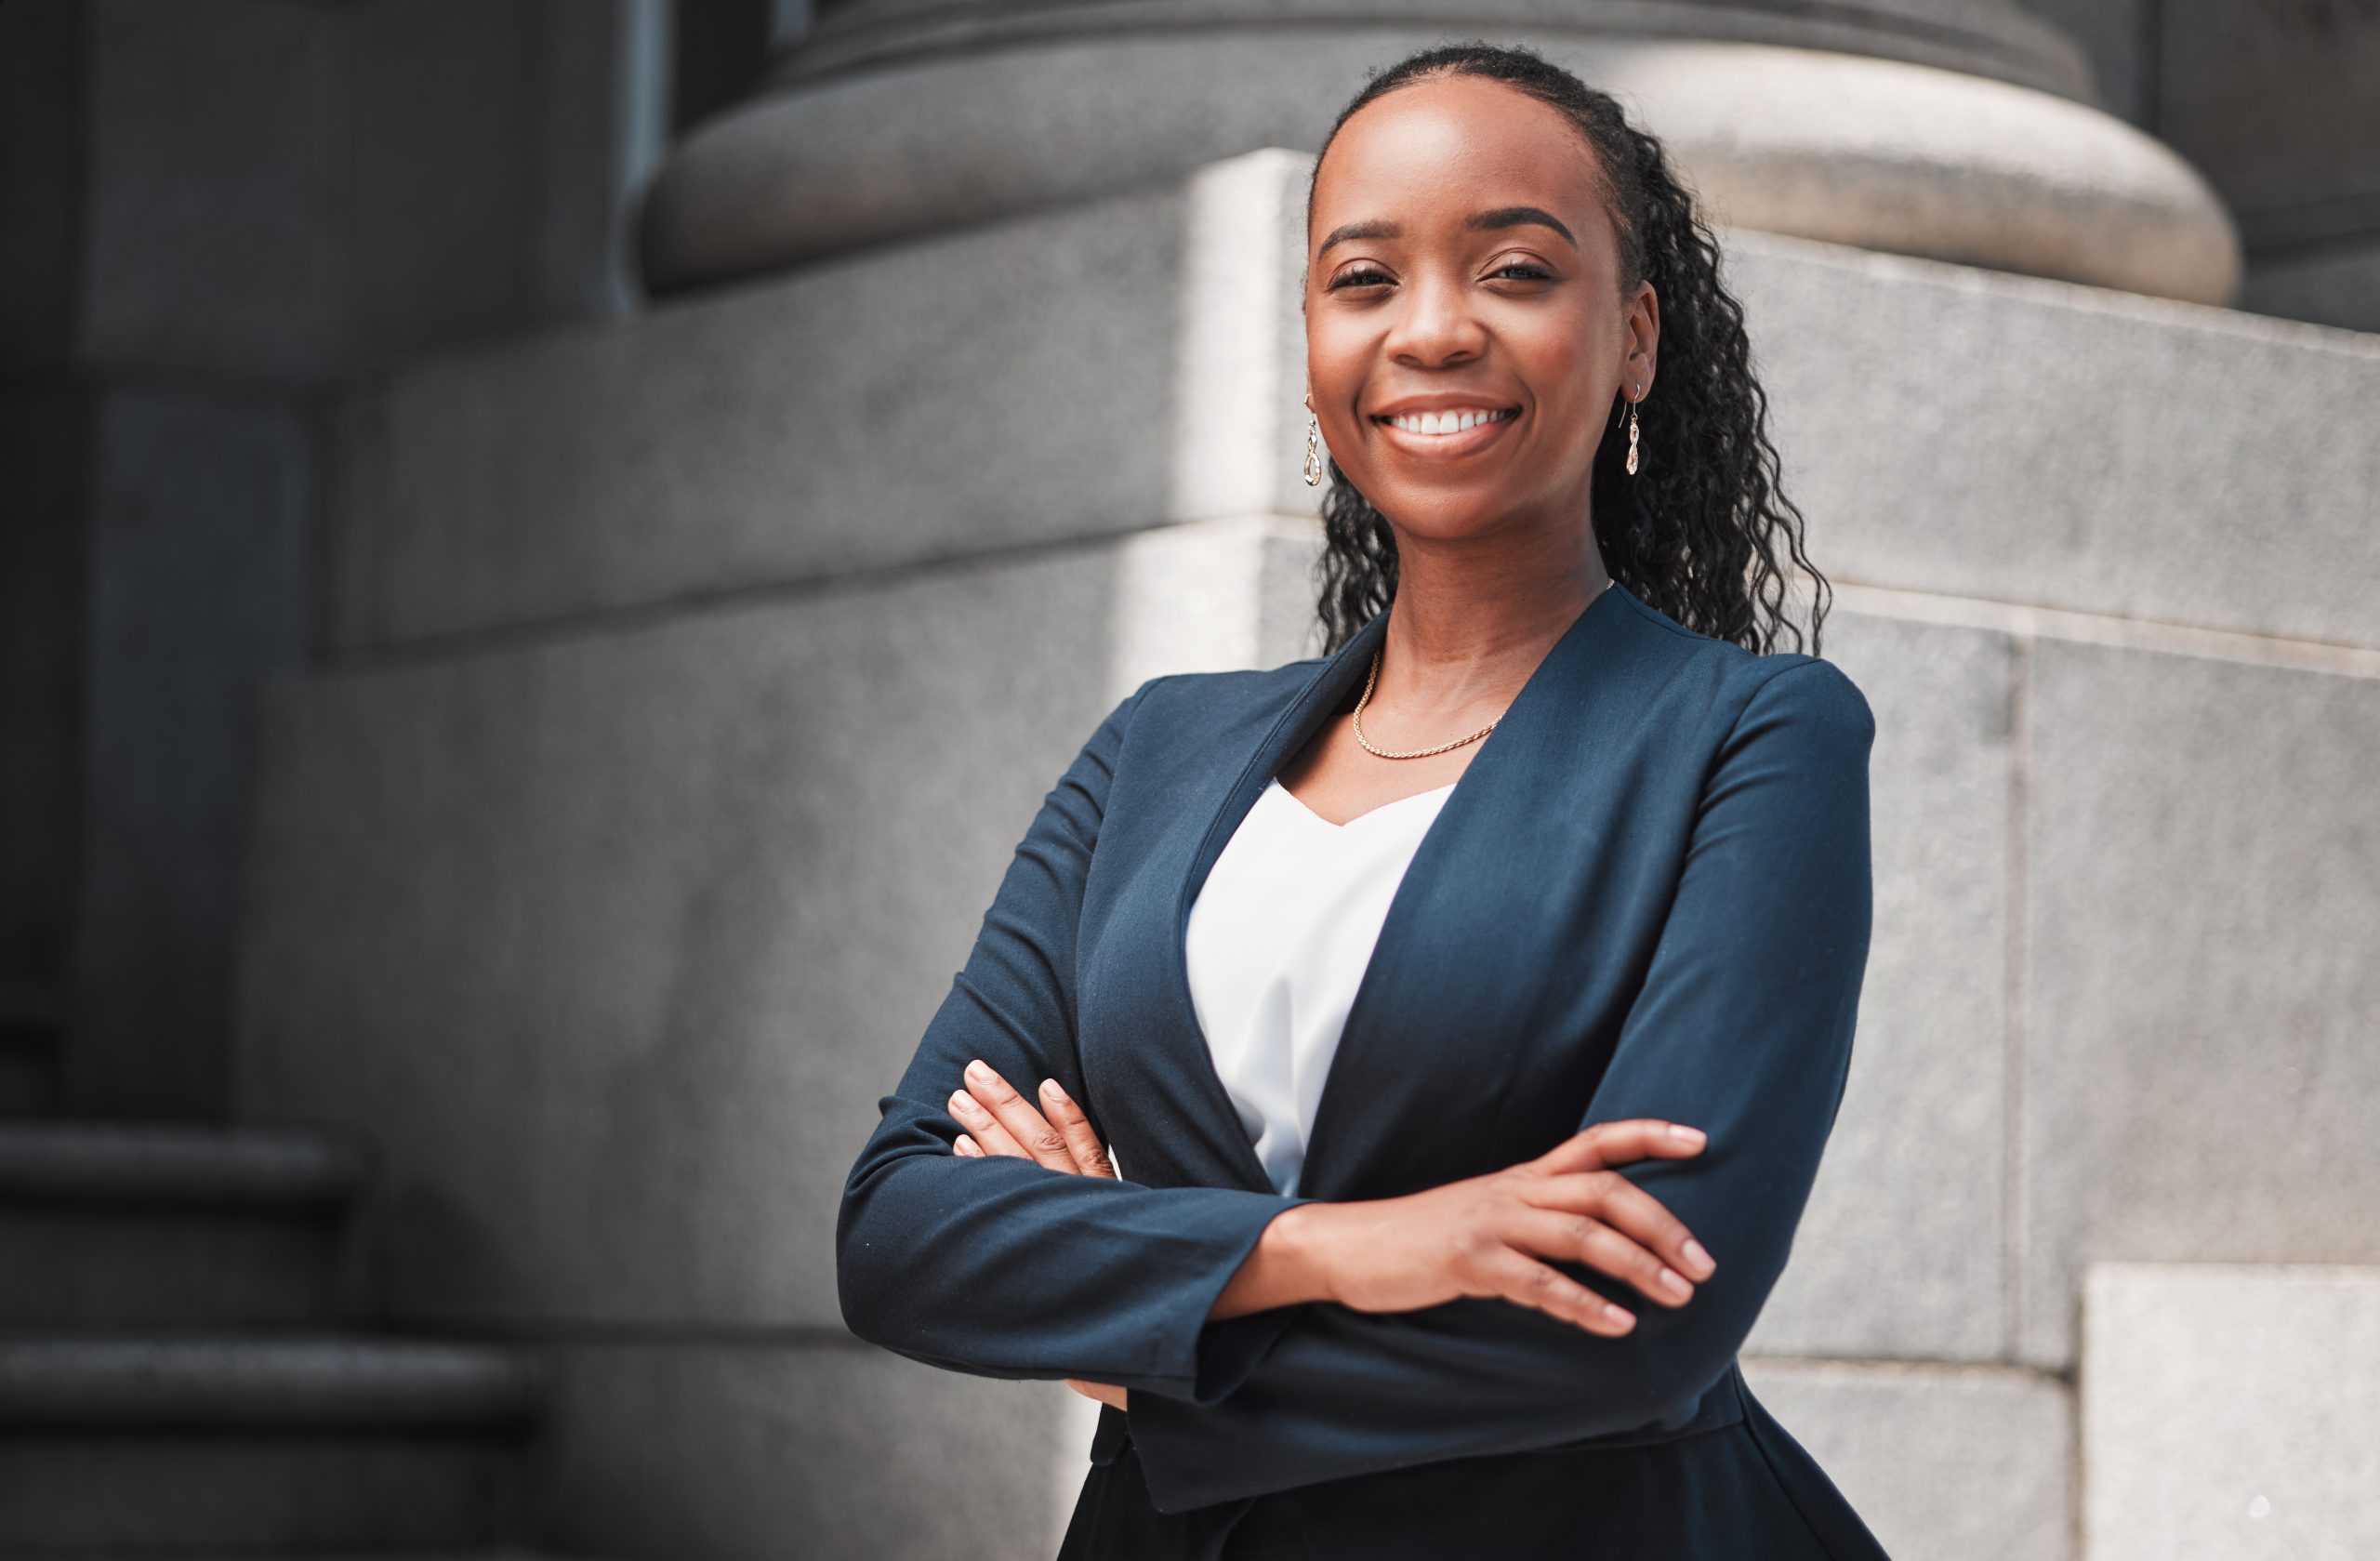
(1002, 1267)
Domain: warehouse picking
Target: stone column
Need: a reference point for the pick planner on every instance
(1962, 130)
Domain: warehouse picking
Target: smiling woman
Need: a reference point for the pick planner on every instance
(1448, 990)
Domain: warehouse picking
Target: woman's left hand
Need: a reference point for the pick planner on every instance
(1004, 1122)
(1001, 1121)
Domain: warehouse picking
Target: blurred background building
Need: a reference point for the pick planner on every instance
(543, 536)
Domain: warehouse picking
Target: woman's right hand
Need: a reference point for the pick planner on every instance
(1485, 1235)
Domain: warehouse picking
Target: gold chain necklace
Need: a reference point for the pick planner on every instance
(1358, 720)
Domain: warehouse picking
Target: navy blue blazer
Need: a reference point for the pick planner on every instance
(1647, 896)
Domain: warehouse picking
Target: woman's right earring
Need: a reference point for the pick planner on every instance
(1632, 439)
(1315, 468)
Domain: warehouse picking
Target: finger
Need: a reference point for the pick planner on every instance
(1629, 1209)
(1609, 1143)
(989, 1135)
(1075, 1128)
(963, 1144)
(1024, 1125)
(1551, 1233)
(1519, 1278)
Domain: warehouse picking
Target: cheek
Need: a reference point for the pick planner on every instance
(1573, 403)
(1334, 359)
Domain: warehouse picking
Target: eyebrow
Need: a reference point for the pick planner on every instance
(1479, 221)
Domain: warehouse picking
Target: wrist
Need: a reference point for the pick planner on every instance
(1288, 1265)
(1304, 1237)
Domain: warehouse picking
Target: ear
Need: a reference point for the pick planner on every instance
(1645, 332)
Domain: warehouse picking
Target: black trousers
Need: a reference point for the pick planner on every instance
(1273, 1530)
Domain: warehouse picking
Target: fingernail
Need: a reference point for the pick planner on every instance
(1624, 1317)
(979, 1072)
(1686, 1134)
(1674, 1282)
(1697, 1259)
(962, 1103)
(965, 1147)
(1050, 1087)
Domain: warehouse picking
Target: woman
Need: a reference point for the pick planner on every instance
(1390, 973)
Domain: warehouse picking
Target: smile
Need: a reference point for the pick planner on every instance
(1448, 422)
(1462, 431)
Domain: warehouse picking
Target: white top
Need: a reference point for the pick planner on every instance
(1277, 941)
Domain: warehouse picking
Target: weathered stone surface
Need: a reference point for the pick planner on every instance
(1070, 376)
(2187, 466)
(1902, 1250)
(2202, 900)
(1137, 361)
(2229, 1412)
(612, 943)
(1947, 1463)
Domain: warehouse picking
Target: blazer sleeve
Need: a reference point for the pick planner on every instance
(1743, 1029)
(1000, 1266)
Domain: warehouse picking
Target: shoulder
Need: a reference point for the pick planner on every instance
(1175, 713)
(1807, 692)
(1741, 687)
(1220, 700)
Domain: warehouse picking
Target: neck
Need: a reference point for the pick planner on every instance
(1459, 637)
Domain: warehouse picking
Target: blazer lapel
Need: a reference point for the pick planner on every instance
(1296, 726)
(1434, 1034)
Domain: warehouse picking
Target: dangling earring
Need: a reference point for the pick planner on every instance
(1632, 439)
(1315, 468)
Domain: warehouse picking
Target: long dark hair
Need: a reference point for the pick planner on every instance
(1697, 531)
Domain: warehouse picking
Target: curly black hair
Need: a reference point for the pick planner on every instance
(1698, 530)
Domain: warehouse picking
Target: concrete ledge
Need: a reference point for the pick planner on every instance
(144, 1165)
(264, 1382)
(288, 1493)
(1945, 1463)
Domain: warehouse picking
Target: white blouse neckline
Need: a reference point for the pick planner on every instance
(1366, 814)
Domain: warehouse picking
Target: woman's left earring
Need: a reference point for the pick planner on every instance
(1315, 468)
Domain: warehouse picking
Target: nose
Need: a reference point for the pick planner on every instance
(1434, 324)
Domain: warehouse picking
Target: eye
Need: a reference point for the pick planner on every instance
(1528, 272)
(1362, 278)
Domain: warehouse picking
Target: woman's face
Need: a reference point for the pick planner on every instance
(1435, 282)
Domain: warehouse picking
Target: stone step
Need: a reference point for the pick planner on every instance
(474, 1553)
(239, 1442)
(108, 1224)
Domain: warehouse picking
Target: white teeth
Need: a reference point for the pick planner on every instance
(1446, 422)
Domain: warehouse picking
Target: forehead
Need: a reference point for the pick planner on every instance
(1431, 152)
